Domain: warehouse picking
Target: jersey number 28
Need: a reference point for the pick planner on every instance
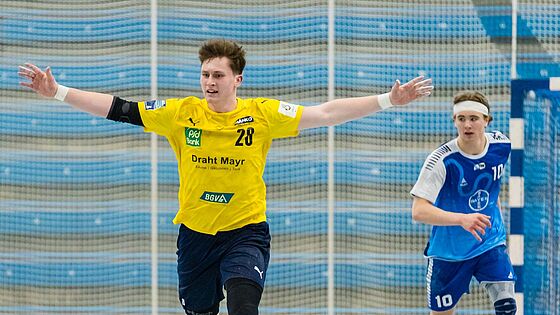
(245, 137)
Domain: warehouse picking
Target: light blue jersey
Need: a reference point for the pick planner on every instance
(455, 181)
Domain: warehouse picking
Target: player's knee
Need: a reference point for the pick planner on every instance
(505, 307)
(502, 294)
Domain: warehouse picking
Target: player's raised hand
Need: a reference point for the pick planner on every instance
(402, 94)
(41, 81)
(476, 223)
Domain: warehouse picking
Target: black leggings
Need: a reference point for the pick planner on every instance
(243, 296)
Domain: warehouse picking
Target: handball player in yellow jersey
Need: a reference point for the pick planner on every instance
(221, 143)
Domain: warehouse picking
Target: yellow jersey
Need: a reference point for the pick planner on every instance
(221, 156)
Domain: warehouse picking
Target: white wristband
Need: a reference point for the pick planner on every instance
(61, 92)
(384, 101)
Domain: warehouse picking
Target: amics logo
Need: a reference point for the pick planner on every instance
(216, 197)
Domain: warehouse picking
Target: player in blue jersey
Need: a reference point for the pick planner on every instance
(458, 193)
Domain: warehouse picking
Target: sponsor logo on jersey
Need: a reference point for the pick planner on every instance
(464, 183)
(216, 197)
(193, 122)
(288, 109)
(498, 135)
(244, 120)
(479, 200)
(151, 105)
(193, 136)
(224, 160)
(479, 166)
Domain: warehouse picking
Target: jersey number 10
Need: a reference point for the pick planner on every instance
(498, 171)
(444, 301)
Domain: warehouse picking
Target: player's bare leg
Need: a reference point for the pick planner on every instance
(448, 312)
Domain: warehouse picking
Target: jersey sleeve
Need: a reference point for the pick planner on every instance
(157, 115)
(430, 180)
(498, 137)
(283, 118)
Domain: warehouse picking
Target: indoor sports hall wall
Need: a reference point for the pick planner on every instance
(77, 200)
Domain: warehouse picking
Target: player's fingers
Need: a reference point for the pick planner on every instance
(25, 70)
(480, 230)
(420, 95)
(423, 91)
(419, 80)
(29, 85)
(25, 75)
(423, 83)
(484, 219)
(33, 67)
(411, 82)
(481, 224)
(426, 88)
(478, 226)
(426, 93)
(49, 72)
(476, 236)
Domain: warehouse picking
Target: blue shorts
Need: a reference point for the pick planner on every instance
(447, 281)
(206, 262)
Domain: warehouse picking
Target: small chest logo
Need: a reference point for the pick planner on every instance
(193, 136)
(244, 120)
(216, 197)
(479, 166)
(193, 122)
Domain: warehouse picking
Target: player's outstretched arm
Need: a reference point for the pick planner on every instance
(425, 212)
(44, 84)
(345, 109)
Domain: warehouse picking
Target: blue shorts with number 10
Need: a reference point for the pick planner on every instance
(447, 281)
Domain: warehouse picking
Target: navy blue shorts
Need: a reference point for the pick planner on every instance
(447, 281)
(206, 262)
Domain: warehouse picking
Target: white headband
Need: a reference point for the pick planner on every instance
(470, 106)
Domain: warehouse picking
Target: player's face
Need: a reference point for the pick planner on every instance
(470, 125)
(217, 80)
